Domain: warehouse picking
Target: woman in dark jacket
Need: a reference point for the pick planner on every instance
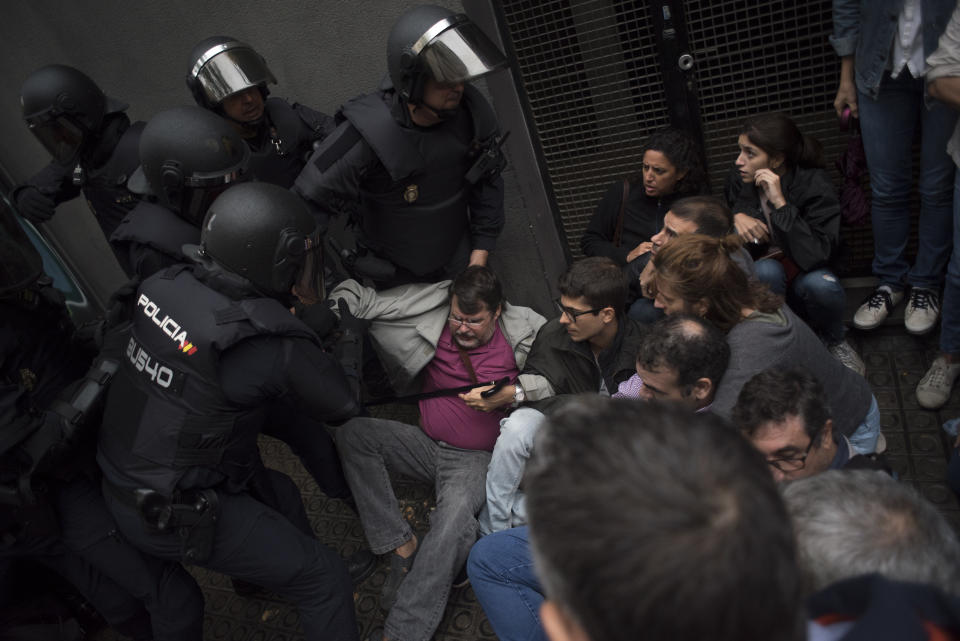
(632, 210)
(785, 208)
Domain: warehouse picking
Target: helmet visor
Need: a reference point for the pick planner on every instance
(309, 286)
(228, 68)
(60, 136)
(459, 53)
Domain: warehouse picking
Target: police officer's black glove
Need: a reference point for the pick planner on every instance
(34, 205)
(318, 317)
(350, 325)
(349, 349)
(121, 304)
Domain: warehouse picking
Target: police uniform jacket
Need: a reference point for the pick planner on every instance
(408, 182)
(199, 366)
(104, 177)
(150, 238)
(283, 144)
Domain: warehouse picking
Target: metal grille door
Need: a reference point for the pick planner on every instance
(592, 75)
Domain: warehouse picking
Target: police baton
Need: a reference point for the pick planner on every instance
(450, 391)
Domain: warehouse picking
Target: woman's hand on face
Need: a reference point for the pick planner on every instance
(639, 250)
(769, 183)
(750, 229)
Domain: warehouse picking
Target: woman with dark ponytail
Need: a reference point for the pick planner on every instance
(786, 210)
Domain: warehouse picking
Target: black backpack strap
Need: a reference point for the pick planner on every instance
(618, 229)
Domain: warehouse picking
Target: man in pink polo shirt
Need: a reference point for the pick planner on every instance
(431, 337)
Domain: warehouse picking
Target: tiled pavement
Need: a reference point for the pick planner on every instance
(916, 445)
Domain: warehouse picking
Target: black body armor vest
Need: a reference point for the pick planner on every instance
(104, 187)
(414, 210)
(152, 228)
(287, 142)
(167, 424)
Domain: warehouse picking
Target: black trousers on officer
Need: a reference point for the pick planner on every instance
(258, 544)
(309, 440)
(118, 579)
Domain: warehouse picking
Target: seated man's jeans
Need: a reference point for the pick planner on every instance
(889, 126)
(506, 503)
(864, 438)
(501, 572)
(371, 448)
(817, 297)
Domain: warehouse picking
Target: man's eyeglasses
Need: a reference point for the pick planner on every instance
(795, 463)
(472, 324)
(574, 314)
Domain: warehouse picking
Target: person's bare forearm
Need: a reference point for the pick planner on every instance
(946, 89)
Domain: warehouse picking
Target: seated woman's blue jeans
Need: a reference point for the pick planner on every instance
(816, 296)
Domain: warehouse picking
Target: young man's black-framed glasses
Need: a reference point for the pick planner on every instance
(795, 463)
(574, 314)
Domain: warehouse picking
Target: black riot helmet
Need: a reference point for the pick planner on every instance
(221, 66)
(430, 41)
(21, 264)
(64, 109)
(266, 235)
(188, 157)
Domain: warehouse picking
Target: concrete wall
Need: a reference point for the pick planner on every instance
(322, 53)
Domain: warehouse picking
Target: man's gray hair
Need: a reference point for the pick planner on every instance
(850, 523)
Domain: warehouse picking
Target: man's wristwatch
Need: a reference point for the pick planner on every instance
(518, 395)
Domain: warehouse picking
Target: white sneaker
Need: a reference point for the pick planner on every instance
(844, 352)
(923, 310)
(873, 311)
(933, 391)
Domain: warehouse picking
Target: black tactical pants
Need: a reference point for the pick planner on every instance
(118, 579)
(258, 544)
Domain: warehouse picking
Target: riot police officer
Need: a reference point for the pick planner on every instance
(188, 157)
(210, 344)
(51, 508)
(91, 140)
(230, 78)
(421, 154)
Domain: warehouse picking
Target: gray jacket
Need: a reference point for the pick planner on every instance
(783, 341)
(407, 322)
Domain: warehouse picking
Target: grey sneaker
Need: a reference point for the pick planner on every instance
(844, 352)
(873, 311)
(934, 388)
(922, 311)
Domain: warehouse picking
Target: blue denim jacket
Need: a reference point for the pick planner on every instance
(866, 29)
